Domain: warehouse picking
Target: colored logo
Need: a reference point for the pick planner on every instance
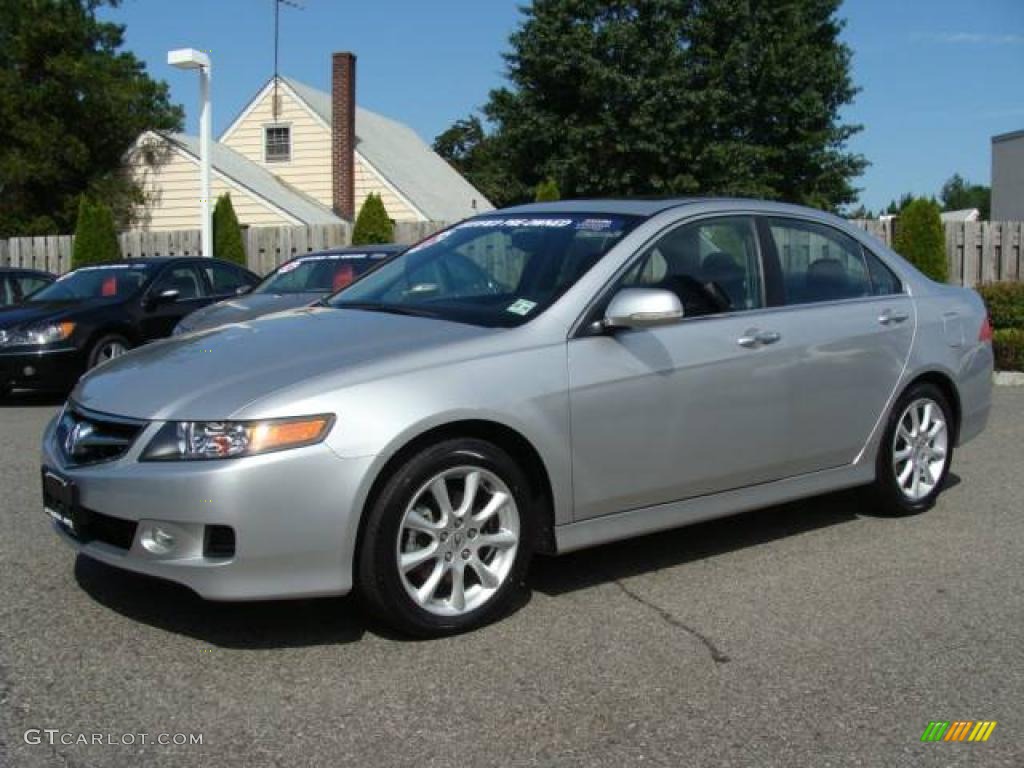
(958, 730)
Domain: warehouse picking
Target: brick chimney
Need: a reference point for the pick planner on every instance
(343, 134)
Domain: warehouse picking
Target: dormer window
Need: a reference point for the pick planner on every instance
(277, 143)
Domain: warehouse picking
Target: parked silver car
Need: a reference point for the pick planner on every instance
(298, 282)
(538, 379)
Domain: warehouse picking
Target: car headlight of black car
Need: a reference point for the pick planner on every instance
(36, 335)
(204, 440)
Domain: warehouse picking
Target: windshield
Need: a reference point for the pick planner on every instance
(492, 271)
(322, 273)
(110, 281)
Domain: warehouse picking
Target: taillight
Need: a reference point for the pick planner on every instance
(986, 330)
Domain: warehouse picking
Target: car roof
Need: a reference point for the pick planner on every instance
(647, 207)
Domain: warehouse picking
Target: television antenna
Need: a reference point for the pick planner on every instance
(277, 37)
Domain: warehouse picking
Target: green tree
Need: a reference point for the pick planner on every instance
(372, 224)
(476, 155)
(547, 191)
(896, 207)
(625, 97)
(95, 237)
(71, 105)
(227, 235)
(958, 193)
(920, 239)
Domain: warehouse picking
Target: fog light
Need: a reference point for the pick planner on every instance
(158, 541)
(28, 371)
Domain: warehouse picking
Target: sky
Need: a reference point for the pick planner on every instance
(938, 78)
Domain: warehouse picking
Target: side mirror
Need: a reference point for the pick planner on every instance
(164, 297)
(242, 290)
(643, 308)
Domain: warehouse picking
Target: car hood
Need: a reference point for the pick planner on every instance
(214, 374)
(243, 308)
(41, 311)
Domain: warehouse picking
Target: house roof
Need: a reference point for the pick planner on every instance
(258, 180)
(396, 152)
(965, 214)
(1008, 136)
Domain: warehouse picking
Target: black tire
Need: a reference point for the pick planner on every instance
(96, 351)
(889, 499)
(378, 580)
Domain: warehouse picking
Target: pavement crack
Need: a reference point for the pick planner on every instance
(716, 654)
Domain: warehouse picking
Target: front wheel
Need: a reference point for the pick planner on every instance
(916, 451)
(446, 544)
(108, 348)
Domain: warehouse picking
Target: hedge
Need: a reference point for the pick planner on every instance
(372, 224)
(227, 235)
(921, 240)
(1005, 304)
(95, 235)
(1008, 345)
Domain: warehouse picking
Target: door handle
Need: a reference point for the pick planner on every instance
(754, 338)
(888, 316)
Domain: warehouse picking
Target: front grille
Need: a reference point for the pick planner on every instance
(95, 526)
(87, 437)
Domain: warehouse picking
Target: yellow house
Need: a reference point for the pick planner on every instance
(297, 155)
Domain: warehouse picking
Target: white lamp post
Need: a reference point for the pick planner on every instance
(190, 58)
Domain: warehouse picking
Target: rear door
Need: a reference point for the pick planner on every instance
(848, 327)
(225, 280)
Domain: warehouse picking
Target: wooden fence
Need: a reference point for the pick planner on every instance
(978, 251)
(265, 247)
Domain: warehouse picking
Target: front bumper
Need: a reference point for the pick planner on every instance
(56, 368)
(293, 514)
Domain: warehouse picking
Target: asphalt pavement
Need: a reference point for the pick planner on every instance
(810, 634)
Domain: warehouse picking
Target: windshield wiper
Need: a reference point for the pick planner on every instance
(394, 309)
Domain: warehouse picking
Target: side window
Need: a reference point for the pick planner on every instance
(6, 294)
(184, 279)
(224, 279)
(713, 266)
(883, 281)
(29, 284)
(818, 263)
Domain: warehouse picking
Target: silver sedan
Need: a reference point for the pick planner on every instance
(533, 380)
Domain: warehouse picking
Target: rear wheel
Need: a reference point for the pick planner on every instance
(916, 452)
(446, 544)
(108, 348)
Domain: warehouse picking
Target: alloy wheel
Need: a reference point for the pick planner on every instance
(457, 541)
(109, 351)
(920, 448)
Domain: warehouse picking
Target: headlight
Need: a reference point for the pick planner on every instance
(35, 335)
(199, 440)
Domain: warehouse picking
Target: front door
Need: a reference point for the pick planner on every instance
(160, 315)
(701, 406)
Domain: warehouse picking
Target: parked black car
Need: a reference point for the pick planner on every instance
(17, 283)
(296, 283)
(97, 313)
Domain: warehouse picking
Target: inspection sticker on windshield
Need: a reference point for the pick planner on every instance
(521, 307)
